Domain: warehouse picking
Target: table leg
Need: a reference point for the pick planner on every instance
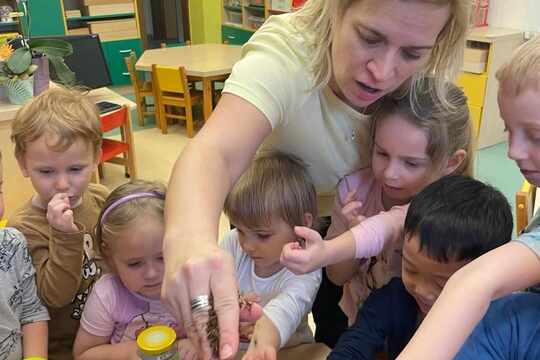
(207, 98)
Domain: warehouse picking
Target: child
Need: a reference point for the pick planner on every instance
(57, 140)
(271, 197)
(516, 265)
(122, 304)
(411, 147)
(451, 222)
(23, 318)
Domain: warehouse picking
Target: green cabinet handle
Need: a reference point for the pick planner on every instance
(125, 51)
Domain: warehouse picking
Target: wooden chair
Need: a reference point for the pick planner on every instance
(172, 92)
(111, 149)
(524, 205)
(142, 90)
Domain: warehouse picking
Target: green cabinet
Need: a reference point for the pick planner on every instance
(235, 36)
(115, 52)
(45, 18)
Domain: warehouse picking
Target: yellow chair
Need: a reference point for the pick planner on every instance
(141, 88)
(172, 91)
(524, 205)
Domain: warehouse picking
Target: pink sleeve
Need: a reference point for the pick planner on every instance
(97, 315)
(372, 234)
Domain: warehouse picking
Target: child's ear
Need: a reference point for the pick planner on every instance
(22, 165)
(454, 161)
(308, 220)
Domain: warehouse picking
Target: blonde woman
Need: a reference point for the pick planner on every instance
(306, 84)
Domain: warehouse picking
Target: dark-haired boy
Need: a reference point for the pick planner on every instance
(451, 222)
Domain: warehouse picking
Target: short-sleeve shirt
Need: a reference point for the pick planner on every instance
(286, 298)
(113, 311)
(313, 124)
(19, 302)
(531, 235)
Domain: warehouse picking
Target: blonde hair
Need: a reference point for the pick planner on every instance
(319, 19)
(523, 68)
(447, 131)
(63, 115)
(120, 217)
(276, 184)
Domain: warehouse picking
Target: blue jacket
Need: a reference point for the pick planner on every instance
(386, 322)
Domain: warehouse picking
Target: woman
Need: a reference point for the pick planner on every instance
(304, 85)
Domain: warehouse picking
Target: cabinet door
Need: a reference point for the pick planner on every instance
(115, 52)
(235, 36)
(47, 18)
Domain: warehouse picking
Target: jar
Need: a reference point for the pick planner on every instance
(157, 343)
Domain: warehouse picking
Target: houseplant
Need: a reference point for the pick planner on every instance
(16, 67)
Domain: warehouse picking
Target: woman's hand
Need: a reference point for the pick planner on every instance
(207, 271)
(302, 260)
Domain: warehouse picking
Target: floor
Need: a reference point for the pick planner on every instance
(492, 165)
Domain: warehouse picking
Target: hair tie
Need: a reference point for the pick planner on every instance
(127, 198)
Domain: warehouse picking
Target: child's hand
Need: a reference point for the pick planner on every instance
(187, 350)
(60, 215)
(250, 309)
(260, 352)
(246, 331)
(302, 260)
(351, 210)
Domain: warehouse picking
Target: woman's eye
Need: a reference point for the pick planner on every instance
(368, 40)
(134, 264)
(410, 55)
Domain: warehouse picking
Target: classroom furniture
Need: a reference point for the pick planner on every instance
(18, 189)
(142, 90)
(116, 21)
(526, 205)
(172, 91)
(112, 148)
(203, 62)
(241, 18)
(487, 49)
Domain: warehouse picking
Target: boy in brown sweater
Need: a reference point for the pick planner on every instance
(57, 140)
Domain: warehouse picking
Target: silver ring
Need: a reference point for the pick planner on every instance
(200, 302)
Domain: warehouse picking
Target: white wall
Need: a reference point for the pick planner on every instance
(515, 14)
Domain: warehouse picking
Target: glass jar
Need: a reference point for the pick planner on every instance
(157, 343)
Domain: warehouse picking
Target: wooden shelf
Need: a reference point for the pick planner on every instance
(233, 8)
(257, 8)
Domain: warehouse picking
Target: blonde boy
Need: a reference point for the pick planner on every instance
(23, 318)
(57, 140)
(514, 266)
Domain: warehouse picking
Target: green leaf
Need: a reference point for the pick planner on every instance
(51, 47)
(65, 75)
(19, 61)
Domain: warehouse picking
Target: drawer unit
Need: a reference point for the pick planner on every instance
(115, 52)
(474, 86)
(235, 36)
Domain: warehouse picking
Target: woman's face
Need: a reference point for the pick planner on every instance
(378, 44)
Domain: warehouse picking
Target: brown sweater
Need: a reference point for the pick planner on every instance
(67, 265)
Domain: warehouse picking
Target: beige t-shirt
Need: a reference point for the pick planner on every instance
(312, 124)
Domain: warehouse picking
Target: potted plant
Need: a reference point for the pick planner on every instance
(17, 68)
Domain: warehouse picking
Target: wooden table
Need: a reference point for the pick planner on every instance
(18, 189)
(203, 62)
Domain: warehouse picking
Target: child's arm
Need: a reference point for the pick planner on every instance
(265, 341)
(88, 346)
(35, 339)
(364, 240)
(466, 297)
(57, 257)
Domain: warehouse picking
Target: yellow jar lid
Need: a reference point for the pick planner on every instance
(156, 339)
